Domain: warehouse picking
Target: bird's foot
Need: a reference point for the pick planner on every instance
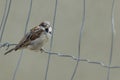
(42, 50)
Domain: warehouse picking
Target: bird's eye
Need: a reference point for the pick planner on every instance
(46, 29)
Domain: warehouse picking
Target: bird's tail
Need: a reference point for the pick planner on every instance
(9, 51)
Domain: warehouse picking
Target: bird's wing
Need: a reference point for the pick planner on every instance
(30, 36)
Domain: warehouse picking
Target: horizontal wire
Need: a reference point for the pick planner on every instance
(7, 45)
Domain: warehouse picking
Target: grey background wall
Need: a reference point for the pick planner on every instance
(95, 45)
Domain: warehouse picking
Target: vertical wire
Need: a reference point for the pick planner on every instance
(5, 19)
(28, 17)
(51, 41)
(80, 39)
(112, 39)
(17, 66)
(21, 54)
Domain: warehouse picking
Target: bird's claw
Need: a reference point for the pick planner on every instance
(42, 50)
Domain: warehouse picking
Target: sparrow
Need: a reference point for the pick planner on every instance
(35, 38)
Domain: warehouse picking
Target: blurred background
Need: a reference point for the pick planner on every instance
(95, 43)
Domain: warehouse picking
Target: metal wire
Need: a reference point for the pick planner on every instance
(81, 59)
(112, 39)
(77, 59)
(80, 39)
(59, 54)
(21, 54)
(5, 17)
(51, 41)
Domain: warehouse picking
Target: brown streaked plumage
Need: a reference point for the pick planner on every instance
(34, 34)
(34, 39)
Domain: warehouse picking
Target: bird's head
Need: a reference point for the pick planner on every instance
(46, 26)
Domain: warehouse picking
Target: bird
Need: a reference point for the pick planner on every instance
(35, 39)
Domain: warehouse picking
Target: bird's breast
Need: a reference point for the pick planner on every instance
(38, 43)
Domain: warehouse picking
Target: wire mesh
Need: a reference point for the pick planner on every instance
(59, 54)
(21, 54)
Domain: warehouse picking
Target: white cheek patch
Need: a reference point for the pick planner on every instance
(50, 29)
